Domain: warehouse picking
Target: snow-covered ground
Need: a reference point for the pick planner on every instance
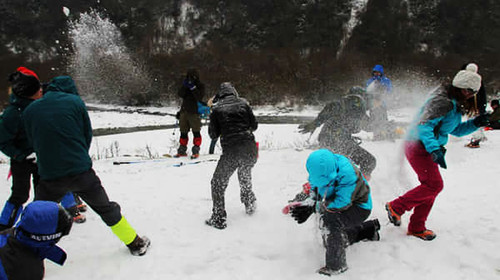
(169, 205)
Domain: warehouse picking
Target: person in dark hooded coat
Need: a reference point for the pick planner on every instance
(58, 126)
(24, 248)
(192, 92)
(340, 119)
(233, 121)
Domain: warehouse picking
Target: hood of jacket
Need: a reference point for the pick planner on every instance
(63, 84)
(225, 89)
(378, 68)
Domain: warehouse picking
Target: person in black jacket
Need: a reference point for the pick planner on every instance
(342, 118)
(24, 248)
(192, 92)
(233, 120)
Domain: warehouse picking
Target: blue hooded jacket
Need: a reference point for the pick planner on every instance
(439, 117)
(337, 183)
(382, 79)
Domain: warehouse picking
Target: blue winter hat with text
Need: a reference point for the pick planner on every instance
(322, 167)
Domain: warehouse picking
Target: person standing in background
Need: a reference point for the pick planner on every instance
(191, 91)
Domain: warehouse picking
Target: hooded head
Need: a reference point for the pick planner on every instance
(354, 104)
(193, 75)
(322, 167)
(25, 83)
(468, 79)
(42, 224)
(225, 89)
(63, 84)
(378, 68)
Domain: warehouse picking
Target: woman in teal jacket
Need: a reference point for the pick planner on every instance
(440, 116)
(341, 195)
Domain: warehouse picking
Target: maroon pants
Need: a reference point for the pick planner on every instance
(420, 198)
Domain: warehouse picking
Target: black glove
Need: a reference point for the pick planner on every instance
(308, 127)
(178, 115)
(301, 213)
(482, 120)
(438, 157)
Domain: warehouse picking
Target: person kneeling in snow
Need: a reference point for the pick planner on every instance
(233, 121)
(24, 248)
(341, 196)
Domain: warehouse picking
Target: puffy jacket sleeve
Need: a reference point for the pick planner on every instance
(87, 126)
(251, 118)
(464, 128)
(10, 123)
(214, 130)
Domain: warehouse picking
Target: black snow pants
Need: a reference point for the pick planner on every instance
(22, 172)
(86, 185)
(344, 228)
(348, 147)
(241, 158)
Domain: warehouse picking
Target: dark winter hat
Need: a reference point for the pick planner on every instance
(43, 223)
(494, 102)
(322, 167)
(24, 82)
(468, 78)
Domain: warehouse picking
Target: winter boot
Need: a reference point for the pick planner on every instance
(329, 272)
(77, 216)
(139, 246)
(195, 150)
(217, 221)
(9, 215)
(250, 207)
(394, 217)
(182, 150)
(426, 235)
(376, 228)
(473, 144)
(79, 204)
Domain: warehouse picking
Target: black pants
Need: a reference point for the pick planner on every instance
(344, 228)
(22, 172)
(242, 159)
(86, 185)
(349, 148)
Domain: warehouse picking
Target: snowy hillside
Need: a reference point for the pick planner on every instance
(169, 205)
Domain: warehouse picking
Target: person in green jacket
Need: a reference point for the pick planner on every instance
(24, 89)
(58, 126)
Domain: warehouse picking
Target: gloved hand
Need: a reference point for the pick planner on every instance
(31, 157)
(301, 212)
(189, 84)
(482, 120)
(438, 157)
(307, 127)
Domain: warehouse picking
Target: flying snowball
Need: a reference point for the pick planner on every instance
(66, 11)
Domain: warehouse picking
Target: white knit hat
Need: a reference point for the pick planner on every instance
(468, 78)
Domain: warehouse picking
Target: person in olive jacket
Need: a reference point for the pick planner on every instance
(233, 121)
(192, 91)
(58, 126)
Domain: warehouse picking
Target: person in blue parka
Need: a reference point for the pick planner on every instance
(378, 89)
(24, 248)
(341, 195)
